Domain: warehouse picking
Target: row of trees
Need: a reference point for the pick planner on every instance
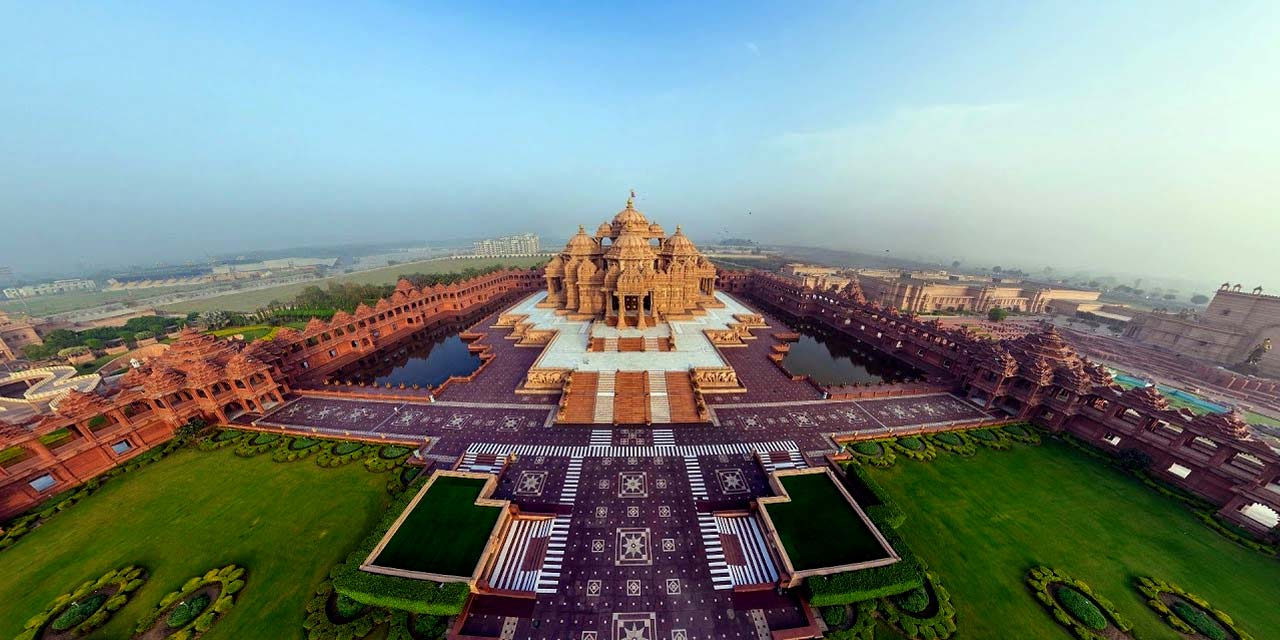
(98, 337)
(347, 296)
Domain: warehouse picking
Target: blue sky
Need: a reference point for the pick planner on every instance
(1114, 135)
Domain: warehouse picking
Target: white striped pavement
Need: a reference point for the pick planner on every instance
(794, 461)
(471, 463)
(721, 578)
(697, 485)
(664, 438)
(759, 567)
(601, 437)
(569, 491)
(558, 451)
(507, 570)
(553, 562)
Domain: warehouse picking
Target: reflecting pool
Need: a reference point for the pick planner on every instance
(830, 358)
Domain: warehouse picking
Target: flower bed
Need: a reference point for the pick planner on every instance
(1188, 613)
(1024, 433)
(1074, 605)
(876, 453)
(954, 442)
(915, 448)
(990, 438)
(88, 607)
(193, 609)
(924, 612)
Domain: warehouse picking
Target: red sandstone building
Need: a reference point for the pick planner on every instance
(216, 380)
(1037, 377)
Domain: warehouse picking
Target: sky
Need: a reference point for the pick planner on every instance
(1125, 136)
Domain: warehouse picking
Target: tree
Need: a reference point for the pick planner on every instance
(1199, 298)
(997, 269)
(996, 314)
(1169, 296)
(955, 264)
(214, 319)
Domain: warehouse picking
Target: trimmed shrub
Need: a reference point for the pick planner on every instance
(954, 442)
(1073, 604)
(330, 616)
(78, 612)
(911, 442)
(1199, 620)
(1189, 613)
(875, 453)
(1081, 608)
(879, 506)
(990, 438)
(914, 601)
(834, 616)
(394, 452)
(89, 606)
(915, 448)
(187, 611)
(871, 583)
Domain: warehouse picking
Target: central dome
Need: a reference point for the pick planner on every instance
(630, 246)
(630, 218)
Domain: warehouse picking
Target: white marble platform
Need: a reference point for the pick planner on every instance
(570, 348)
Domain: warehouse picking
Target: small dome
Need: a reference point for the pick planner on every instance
(656, 231)
(679, 244)
(604, 230)
(580, 244)
(629, 218)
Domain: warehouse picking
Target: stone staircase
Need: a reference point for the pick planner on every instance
(651, 344)
(630, 403)
(680, 400)
(605, 397)
(580, 402)
(659, 408)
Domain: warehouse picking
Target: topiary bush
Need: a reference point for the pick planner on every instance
(89, 606)
(990, 438)
(186, 611)
(915, 448)
(835, 616)
(331, 615)
(220, 439)
(1021, 432)
(955, 442)
(78, 612)
(1187, 612)
(1199, 620)
(340, 453)
(870, 583)
(1074, 605)
(1081, 608)
(194, 608)
(254, 445)
(924, 612)
(875, 453)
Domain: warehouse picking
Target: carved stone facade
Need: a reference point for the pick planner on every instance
(1042, 379)
(630, 273)
(1235, 323)
(217, 380)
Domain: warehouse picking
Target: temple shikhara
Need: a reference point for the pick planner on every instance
(630, 273)
(634, 456)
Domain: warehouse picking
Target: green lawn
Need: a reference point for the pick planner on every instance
(47, 305)
(445, 533)
(252, 300)
(805, 524)
(287, 523)
(982, 522)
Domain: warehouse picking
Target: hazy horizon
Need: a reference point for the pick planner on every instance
(1137, 138)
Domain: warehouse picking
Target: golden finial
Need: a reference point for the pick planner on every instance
(582, 229)
(632, 200)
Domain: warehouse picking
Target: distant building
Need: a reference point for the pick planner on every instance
(1235, 326)
(933, 291)
(522, 245)
(50, 288)
(276, 264)
(14, 335)
(814, 276)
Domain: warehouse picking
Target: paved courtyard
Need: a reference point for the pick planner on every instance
(633, 532)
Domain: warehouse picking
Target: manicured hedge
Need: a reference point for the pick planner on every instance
(1189, 613)
(882, 509)
(358, 623)
(178, 612)
(89, 606)
(876, 453)
(915, 448)
(1065, 598)
(871, 583)
(925, 612)
(1081, 608)
(955, 442)
(1022, 432)
(991, 438)
(392, 592)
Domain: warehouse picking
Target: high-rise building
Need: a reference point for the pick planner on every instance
(522, 245)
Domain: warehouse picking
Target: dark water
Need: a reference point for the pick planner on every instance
(423, 362)
(834, 359)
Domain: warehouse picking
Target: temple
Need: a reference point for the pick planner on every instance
(631, 274)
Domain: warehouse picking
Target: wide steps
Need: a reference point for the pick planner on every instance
(659, 409)
(606, 398)
(680, 400)
(580, 402)
(630, 402)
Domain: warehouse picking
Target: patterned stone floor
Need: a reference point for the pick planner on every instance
(633, 551)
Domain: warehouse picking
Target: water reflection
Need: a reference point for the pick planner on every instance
(426, 362)
(830, 358)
